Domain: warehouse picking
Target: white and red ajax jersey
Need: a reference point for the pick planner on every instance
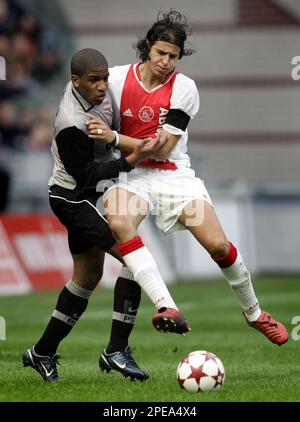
(143, 112)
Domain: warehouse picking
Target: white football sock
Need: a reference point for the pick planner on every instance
(147, 275)
(240, 281)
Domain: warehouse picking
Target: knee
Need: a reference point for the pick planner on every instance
(115, 224)
(219, 248)
(121, 227)
(90, 279)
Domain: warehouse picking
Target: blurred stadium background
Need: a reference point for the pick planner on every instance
(245, 142)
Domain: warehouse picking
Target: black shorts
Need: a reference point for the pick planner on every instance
(85, 225)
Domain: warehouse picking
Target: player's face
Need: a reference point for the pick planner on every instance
(92, 85)
(163, 57)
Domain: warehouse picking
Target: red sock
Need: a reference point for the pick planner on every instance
(229, 259)
(130, 246)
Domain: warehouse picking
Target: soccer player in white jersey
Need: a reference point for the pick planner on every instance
(154, 97)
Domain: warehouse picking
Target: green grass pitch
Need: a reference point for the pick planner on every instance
(256, 370)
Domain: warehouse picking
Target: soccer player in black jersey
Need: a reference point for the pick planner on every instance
(79, 164)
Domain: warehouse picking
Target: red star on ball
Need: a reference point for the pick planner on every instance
(218, 378)
(197, 373)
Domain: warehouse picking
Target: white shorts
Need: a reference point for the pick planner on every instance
(166, 192)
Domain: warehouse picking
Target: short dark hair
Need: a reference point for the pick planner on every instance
(85, 60)
(170, 27)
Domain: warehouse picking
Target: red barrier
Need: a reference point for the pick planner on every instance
(33, 253)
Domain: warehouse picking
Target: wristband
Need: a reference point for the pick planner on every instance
(116, 141)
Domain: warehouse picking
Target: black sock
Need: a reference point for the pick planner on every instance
(71, 304)
(127, 297)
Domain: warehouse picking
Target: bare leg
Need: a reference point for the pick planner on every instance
(210, 235)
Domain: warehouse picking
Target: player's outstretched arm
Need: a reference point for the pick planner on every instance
(99, 131)
(169, 142)
(140, 148)
(144, 149)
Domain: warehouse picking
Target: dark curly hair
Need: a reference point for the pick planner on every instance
(170, 27)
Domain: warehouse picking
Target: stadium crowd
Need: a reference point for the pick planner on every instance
(30, 61)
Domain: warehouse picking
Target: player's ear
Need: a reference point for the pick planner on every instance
(76, 81)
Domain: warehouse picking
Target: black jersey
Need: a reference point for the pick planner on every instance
(80, 162)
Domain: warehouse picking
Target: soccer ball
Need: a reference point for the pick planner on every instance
(201, 371)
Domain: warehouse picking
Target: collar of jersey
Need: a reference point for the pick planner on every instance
(137, 74)
(87, 106)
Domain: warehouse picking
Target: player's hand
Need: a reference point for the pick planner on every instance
(153, 145)
(144, 149)
(99, 131)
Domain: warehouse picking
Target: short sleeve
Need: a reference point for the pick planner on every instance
(185, 96)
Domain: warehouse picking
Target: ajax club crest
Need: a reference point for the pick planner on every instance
(146, 114)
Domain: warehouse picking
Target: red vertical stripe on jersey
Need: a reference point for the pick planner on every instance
(229, 259)
(130, 246)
